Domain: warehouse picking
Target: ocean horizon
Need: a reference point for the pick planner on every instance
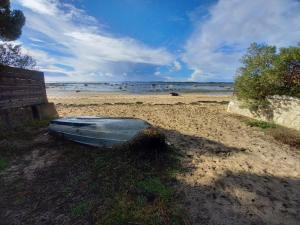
(142, 87)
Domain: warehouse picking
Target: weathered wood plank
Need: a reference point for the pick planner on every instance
(21, 92)
(22, 96)
(23, 76)
(21, 102)
(19, 87)
(20, 83)
(24, 72)
(23, 85)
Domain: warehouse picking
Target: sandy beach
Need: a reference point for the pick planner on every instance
(235, 174)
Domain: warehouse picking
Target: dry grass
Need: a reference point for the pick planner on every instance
(282, 134)
(286, 136)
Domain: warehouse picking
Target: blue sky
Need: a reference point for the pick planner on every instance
(147, 40)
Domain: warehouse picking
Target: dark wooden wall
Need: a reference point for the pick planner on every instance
(20, 87)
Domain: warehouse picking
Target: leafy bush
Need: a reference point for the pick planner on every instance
(266, 72)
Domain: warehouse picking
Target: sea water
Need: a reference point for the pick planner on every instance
(143, 87)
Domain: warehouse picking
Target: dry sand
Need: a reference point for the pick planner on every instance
(234, 174)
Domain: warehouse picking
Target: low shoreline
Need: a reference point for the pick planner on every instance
(55, 92)
(86, 98)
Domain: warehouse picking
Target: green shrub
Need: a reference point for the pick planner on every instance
(260, 124)
(265, 73)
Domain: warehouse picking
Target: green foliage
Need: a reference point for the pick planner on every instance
(288, 71)
(265, 73)
(3, 164)
(154, 187)
(135, 210)
(260, 124)
(11, 22)
(80, 210)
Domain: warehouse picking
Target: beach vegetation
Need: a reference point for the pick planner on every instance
(80, 209)
(153, 187)
(38, 123)
(282, 134)
(286, 136)
(11, 22)
(261, 124)
(3, 164)
(149, 144)
(266, 72)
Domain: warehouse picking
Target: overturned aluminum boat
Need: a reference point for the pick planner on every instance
(98, 131)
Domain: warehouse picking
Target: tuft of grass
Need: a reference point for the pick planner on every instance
(123, 211)
(38, 123)
(3, 164)
(67, 191)
(286, 136)
(24, 132)
(260, 124)
(282, 134)
(150, 144)
(153, 187)
(129, 210)
(80, 210)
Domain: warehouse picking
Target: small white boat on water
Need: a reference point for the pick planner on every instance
(98, 131)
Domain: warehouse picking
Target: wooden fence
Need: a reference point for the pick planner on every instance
(20, 88)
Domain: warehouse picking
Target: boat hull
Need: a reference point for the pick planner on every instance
(97, 131)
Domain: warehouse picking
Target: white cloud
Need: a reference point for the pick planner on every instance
(221, 39)
(176, 66)
(40, 6)
(157, 73)
(196, 75)
(76, 40)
